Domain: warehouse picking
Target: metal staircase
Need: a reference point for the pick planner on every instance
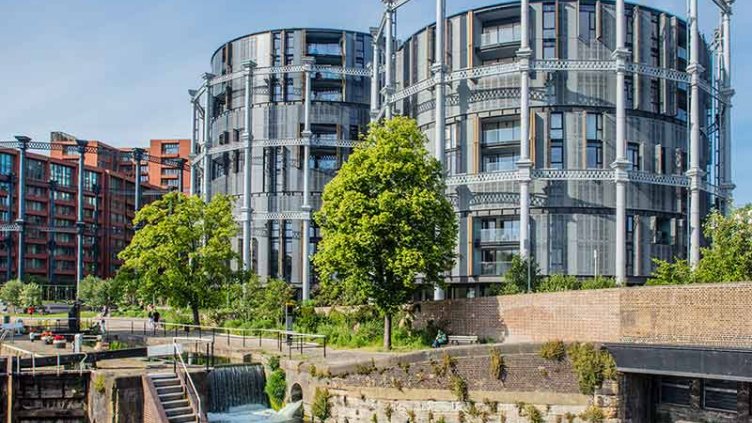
(174, 398)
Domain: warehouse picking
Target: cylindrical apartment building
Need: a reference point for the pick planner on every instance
(590, 134)
(570, 159)
(309, 101)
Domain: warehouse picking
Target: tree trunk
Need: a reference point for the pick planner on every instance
(196, 319)
(388, 331)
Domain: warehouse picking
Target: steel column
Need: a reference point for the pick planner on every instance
(439, 71)
(194, 140)
(375, 106)
(138, 157)
(389, 75)
(9, 235)
(81, 146)
(620, 165)
(727, 185)
(52, 242)
(206, 183)
(247, 168)
(695, 173)
(22, 146)
(308, 63)
(524, 164)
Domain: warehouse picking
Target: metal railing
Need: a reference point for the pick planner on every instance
(184, 376)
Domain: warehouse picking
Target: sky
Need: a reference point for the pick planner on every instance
(119, 71)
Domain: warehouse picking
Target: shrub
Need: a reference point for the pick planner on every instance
(553, 350)
(531, 412)
(570, 417)
(677, 273)
(599, 282)
(374, 419)
(388, 411)
(593, 414)
(365, 369)
(411, 416)
(493, 406)
(448, 364)
(557, 283)
(273, 363)
(591, 365)
(99, 383)
(321, 408)
(275, 389)
(496, 366)
(459, 387)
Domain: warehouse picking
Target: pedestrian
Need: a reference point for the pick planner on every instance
(156, 320)
(151, 319)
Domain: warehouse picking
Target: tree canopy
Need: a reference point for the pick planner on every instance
(385, 220)
(183, 250)
(727, 258)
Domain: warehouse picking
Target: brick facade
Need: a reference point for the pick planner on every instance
(703, 315)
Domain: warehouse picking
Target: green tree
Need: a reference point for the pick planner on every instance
(515, 279)
(667, 273)
(31, 295)
(183, 251)
(557, 283)
(385, 220)
(96, 292)
(10, 293)
(729, 256)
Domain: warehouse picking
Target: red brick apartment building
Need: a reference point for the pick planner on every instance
(51, 207)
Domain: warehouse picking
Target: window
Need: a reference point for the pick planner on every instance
(505, 160)
(277, 48)
(496, 230)
(661, 161)
(549, 49)
(629, 92)
(63, 196)
(500, 34)
(549, 21)
(326, 49)
(587, 22)
(452, 150)
(90, 180)
(35, 169)
(719, 395)
(556, 146)
(502, 132)
(170, 183)
(170, 148)
(633, 155)
(663, 231)
(594, 148)
(289, 48)
(675, 390)
(655, 95)
(6, 163)
(35, 205)
(63, 175)
(167, 171)
(496, 261)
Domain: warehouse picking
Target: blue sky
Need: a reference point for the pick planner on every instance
(119, 71)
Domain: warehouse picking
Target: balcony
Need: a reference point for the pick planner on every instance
(500, 235)
(500, 35)
(320, 49)
(495, 268)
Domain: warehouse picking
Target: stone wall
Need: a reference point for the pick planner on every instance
(712, 315)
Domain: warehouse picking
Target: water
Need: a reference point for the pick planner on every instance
(234, 387)
(248, 414)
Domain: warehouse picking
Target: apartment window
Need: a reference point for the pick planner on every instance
(325, 49)
(500, 34)
(289, 48)
(167, 171)
(629, 91)
(219, 169)
(556, 146)
(655, 95)
(496, 230)
(63, 196)
(496, 261)
(549, 21)
(277, 48)
(35, 169)
(655, 40)
(502, 132)
(170, 148)
(587, 22)
(63, 175)
(452, 150)
(629, 16)
(675, 390)
(661, 162)
(91, 179)
(35, 206)
(719, 395)
(663, 231)
(170, 183)
(594, 148)
(501, 161)
(633, 155)
(6, 163)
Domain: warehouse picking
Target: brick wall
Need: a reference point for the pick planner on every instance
(712, 315)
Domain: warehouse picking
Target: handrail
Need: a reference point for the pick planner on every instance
(190, 387)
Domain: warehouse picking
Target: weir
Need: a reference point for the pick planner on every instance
(233, 386)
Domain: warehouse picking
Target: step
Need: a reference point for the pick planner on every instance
(174, 396)
(186, 418)
(169, 390)
(176, 403)
(158, 383)
(182, 411)
(162, 375)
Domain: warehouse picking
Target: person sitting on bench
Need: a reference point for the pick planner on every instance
(440, 340)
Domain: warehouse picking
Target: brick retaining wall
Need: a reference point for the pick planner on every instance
(712, 315)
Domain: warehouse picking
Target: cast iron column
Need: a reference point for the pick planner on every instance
(81, 146)
(375, 106)
(247, 168)
(306, 236)
(138, 156)
(206, 183)
(695, 173)
(620, 165)
(439, 72)
(524, 164)
(23, 143)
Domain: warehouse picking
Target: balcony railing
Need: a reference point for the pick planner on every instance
(500, 235)
(507, 164)
(496, 268)
(506, 34)
(325, 49)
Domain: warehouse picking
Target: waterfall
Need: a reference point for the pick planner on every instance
(232, 386)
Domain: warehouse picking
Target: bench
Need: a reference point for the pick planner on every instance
(462, 339)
